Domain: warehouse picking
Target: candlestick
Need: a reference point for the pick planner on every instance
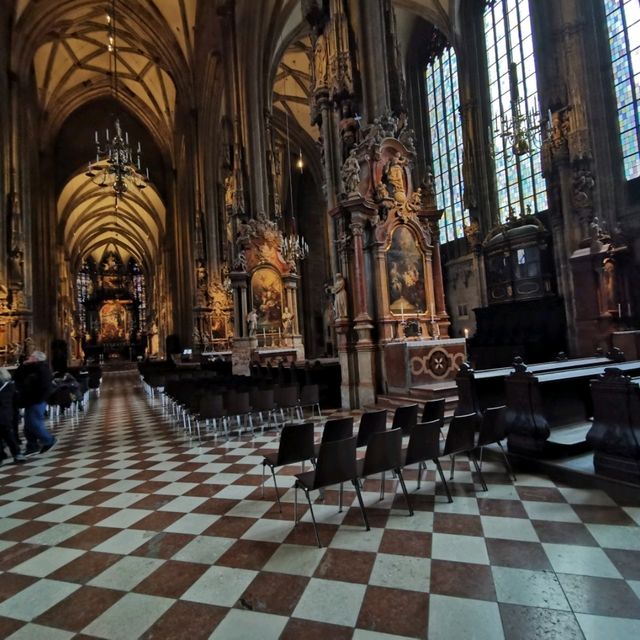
(97, 141)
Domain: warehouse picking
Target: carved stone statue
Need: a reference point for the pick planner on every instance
(252, 322)
(429, 183)
(320, 62)
(583, 185)
(339, 291)
(393, 176)
(16, 269)
(287, 321)
(201, 275)
(229, 191)
(154, 339)
(609, 293)
(351, 173)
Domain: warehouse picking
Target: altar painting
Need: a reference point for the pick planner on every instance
(405, 274)
(113, 322)
(266, 297)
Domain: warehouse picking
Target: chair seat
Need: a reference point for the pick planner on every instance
(271, 459)
(307, 478)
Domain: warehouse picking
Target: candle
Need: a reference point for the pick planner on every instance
(264, 335)
(466, 333)
(97, 141)
(402, 311)
(619, 310)
(628, 309)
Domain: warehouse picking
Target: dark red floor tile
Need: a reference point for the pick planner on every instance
(24, 531)
(627, 562)
(18, 553)
(347, 566)
(152, 502)
(303, 534)
(157, 521)
(248, 554)
(309, 630)
(9, 626)
(229, 527)
(459, 524)
(564, 533)
(86, 567)
(12, 583)
(600, 596)
(172, 579)
(394, 611)
(406, 543)
(540, 494)
(462, 580)
(276, 593)
(501, 508)
(215, 506)
(517, 554)
(89, 538)
(80, 608)
(377, 517)
(603, 515)
(92, 516)
(186, 621)
(532, 623)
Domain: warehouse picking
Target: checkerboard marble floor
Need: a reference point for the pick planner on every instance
(127, 530)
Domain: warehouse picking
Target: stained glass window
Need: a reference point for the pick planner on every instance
(623, 24)
(139, 291)
(446, 142)
(511, 64)
(83, 282)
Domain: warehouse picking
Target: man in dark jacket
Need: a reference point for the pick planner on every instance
(33, 379)
(9, 417)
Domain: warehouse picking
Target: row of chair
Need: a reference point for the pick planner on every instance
(335, 460)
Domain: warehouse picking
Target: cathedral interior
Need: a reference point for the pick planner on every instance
(407, 192)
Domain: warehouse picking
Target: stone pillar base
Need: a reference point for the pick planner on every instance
(241, 355)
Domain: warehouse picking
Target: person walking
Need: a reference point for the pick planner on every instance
(33, 379)
(9, 416)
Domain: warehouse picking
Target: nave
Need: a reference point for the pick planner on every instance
(126, 530)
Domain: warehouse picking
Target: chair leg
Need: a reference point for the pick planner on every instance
(421, 467)
(382, 480)
(404, 490)
(295, 504)
(275, 484)
(340, 499)
(444, 482)
(263, 466)
(507, 464)
(362, 509)
(475, 464)
(313, 517)
(453, 466)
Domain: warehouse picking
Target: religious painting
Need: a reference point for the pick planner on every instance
(266, 298)
(113, 322)
(405, 274)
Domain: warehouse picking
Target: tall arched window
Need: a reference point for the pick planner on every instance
(512, 76)
(623, 24)
(446, 142)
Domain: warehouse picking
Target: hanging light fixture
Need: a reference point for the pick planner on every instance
(116, 165)
(294, 246)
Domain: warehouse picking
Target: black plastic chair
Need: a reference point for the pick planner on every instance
(212, 408)
(263, 402)
(492, 431)
(405, 418)
(371, 422)
(336, 429)
(296, 445)
(384, 453)
(336, 464)
(461, 438)
(286, 398)
(424, 444)
(310, 397)
(433, 410)
(238, 406)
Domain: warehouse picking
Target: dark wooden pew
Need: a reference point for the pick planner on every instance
(478, 390)
(615, 433)
(549, 413)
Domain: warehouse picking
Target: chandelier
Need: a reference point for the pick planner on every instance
(522, 128)
(294, 246)
(116, 165)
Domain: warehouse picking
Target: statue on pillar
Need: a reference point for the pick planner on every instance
(351, 173)
(287, 321)
(252, 322)
(339, 291)
(393, 176)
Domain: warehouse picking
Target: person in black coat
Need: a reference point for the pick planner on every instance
(9, 417)
(33, 379)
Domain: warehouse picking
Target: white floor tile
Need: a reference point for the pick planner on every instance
(603, 627)
(36, 599)
(401, 572)
(509, 528)
(204, 549)
(456, 548)
(129, 618)
(126, 573)
(328, 600)
(47, 562)
(301, 560)
(463, 618)
(192, 523)
(249, 625)
(220, 586)
(529, 588)
(584, 561)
